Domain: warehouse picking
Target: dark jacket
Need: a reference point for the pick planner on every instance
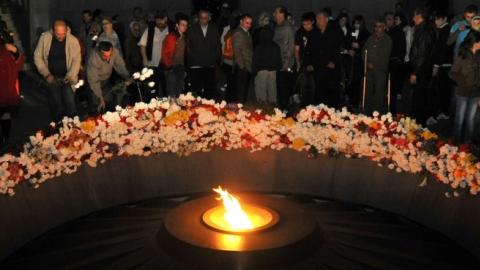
(242, 49)
(466, 73)
(379, 50)
(203, 51)
(443, 53)
(399, 44)
(422, 49)
(267, 55)
(327, 46)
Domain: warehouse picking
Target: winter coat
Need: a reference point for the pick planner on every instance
(242, 49)
(203, 51)
(267, 54)
(72, 52)
(10, 65)
(466, 73)
(422, 49)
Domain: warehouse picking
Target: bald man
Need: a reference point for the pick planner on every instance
(58, 58)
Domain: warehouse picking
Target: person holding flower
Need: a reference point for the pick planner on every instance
(100, 66)
(466, 73)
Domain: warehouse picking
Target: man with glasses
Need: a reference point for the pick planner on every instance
(204, 51)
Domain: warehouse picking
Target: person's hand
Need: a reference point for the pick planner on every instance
(331, 65)
(50, 79)
(145, 63)
(11, 48)
(413, 79)
(370, 66)
(310, 68)
(355, 45)
(129, 82)
(101, 105)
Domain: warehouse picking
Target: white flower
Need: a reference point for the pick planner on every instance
(136, 75)
(151, 84)
(144, 71)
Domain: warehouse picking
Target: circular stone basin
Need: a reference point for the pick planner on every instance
(284, 232)
(261, 217)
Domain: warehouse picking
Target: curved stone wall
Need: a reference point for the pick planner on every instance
(32, 212)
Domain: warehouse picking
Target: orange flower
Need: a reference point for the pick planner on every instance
(89, 125)
(179, 116)
(375, 125)
(427, 135)
(288, 122)
(459, 174)
(298, 144)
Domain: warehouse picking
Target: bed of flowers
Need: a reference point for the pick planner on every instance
(191, 124)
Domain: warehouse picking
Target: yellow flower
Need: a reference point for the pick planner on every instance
(411, 136)
(298, 144)
(88, 126)
(179, 116)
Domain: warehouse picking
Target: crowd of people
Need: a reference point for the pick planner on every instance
(335, 61)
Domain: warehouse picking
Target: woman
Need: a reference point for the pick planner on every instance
(109, 34)
(466, 73)
(11, 63)
(173, 57)
(360, 35)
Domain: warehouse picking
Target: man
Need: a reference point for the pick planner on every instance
(58, 59)
(462, 28)
(421, 63)
(151, 44)
(285, 38)
(303, 58)
(133, 58)
(242, 57)
(397, 57)
(327, 44)
(100, 66)
(173, 56)
(87, 23)
(139, 17)
(442, 63)
(204, 51)
(379, 47)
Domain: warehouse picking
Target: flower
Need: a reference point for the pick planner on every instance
(151, 84)
(136, 75)
(189, 124)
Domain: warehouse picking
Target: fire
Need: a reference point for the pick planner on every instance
(236, 218)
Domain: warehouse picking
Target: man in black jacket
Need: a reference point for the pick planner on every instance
(421, 62)
(442, 63)
(203, 52)
(397, 57)
(326, 44)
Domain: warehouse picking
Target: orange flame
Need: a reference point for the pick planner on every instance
(234, 214)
